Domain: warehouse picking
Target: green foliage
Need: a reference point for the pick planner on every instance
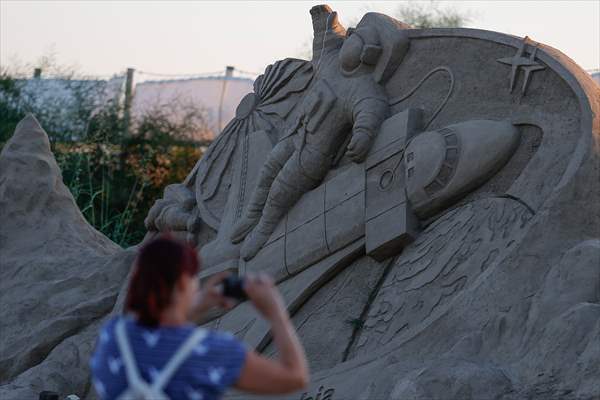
(429, 14)
(9, 115)
(115, 178)
(114, 173)
(115, 197)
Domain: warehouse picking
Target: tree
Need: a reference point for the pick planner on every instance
(430, 14)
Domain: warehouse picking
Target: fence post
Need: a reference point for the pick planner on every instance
(37, 73)
(126, 116)
(128, 98)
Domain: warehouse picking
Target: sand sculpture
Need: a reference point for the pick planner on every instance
(427, 200)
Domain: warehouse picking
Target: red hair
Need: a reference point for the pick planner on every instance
(157, 269)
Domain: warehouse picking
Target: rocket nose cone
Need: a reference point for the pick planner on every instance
(488, 144)
(446, 164)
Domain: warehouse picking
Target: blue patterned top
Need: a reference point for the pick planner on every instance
(213, 366)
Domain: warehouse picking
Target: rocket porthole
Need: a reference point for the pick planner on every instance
(386, 179)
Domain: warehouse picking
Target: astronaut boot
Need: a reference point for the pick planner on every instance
(272, 213)
(251, 215)
(242, 227)
(253, 243)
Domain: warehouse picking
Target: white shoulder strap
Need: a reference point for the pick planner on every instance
(134, 378)
(138, 388)
(178, 358)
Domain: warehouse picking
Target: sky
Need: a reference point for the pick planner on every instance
(189, 37)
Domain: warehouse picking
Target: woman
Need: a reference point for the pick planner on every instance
(154, 351)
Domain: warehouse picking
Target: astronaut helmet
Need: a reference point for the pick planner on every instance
(377, 45)
(360, 47)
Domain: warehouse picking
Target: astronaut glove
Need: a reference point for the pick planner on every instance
(359, 146)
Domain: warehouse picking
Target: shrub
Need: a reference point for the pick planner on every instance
(115, 176)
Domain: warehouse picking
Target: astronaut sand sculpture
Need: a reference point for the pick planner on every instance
(438, 236)
(334, 106)
(391, 181)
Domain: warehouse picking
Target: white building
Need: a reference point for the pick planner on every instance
(57, 102)
(219, 96)
(60, 103)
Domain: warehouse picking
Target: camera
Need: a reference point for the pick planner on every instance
(48, 395)
(233, 287)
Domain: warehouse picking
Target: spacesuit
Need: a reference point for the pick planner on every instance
(344, 100)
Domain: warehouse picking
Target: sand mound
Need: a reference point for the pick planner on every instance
(58, 275)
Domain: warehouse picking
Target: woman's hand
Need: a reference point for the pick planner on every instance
(262, 292)
(210, 295)
(289, 371)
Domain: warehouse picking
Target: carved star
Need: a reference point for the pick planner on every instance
(527, 64)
